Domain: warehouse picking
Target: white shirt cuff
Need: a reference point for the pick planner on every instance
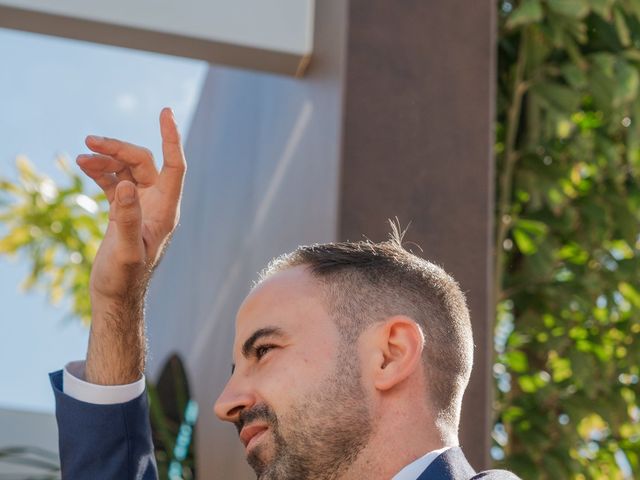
(74, 385)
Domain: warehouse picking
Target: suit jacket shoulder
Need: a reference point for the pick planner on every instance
(103, 441)
(453, 465)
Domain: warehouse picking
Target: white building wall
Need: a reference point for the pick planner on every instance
(27, 429)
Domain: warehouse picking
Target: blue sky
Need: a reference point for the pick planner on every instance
(54, 92)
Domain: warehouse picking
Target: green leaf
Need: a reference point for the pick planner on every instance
(529, 11)
(559, 97)
(561, 369)
(537, 48)
(533, 227)
(570, 8)
(528, 234)
(602, 8)
(513, 413)
(621, 26)
(527, 384)
(634, 7)
(524, 242)
(620, 249)
(516, 361)
(627, 81)
(17, 238)
(25, 167)
(630, 293)
(574, 75)
(573, 253)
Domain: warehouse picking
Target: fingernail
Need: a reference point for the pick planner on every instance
(95, 138)
(126, 194)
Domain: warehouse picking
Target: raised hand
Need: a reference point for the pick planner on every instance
(144, 208)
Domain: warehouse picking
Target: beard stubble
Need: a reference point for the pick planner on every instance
(320, 436)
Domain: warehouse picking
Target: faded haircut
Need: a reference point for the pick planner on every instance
(365, 282)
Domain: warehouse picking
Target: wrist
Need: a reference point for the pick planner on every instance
(123, 287)
(127, 305)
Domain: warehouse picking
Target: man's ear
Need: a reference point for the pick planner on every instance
(400, 343)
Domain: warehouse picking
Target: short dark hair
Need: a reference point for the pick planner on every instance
(366, 282)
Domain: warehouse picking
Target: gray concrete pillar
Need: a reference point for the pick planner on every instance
(417, 144)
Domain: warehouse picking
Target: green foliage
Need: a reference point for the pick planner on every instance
(568, 239)
(58, 231)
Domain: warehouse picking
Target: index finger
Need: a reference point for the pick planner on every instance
(174, 165)
(138, 159)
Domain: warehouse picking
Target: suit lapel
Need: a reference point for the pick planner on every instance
(451, 465)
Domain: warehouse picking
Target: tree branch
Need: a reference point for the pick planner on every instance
(520, 87)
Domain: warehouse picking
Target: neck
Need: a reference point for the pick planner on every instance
(391, 449)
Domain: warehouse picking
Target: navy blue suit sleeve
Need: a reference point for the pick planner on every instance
(103, 441)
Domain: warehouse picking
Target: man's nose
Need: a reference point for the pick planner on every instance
(234, 399)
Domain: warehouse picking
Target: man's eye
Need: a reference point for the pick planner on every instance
(262, 350)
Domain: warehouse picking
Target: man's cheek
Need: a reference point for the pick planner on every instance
(284, 378)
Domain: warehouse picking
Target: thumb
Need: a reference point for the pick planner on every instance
(128, 217)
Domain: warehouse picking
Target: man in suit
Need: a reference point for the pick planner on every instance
(350, 359)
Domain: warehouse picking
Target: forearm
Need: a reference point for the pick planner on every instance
(117, 344)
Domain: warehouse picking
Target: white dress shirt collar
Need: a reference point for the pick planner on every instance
(414, 469)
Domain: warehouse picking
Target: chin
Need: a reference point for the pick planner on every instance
(259, 459)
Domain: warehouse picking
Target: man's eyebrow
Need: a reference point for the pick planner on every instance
(247, 346)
